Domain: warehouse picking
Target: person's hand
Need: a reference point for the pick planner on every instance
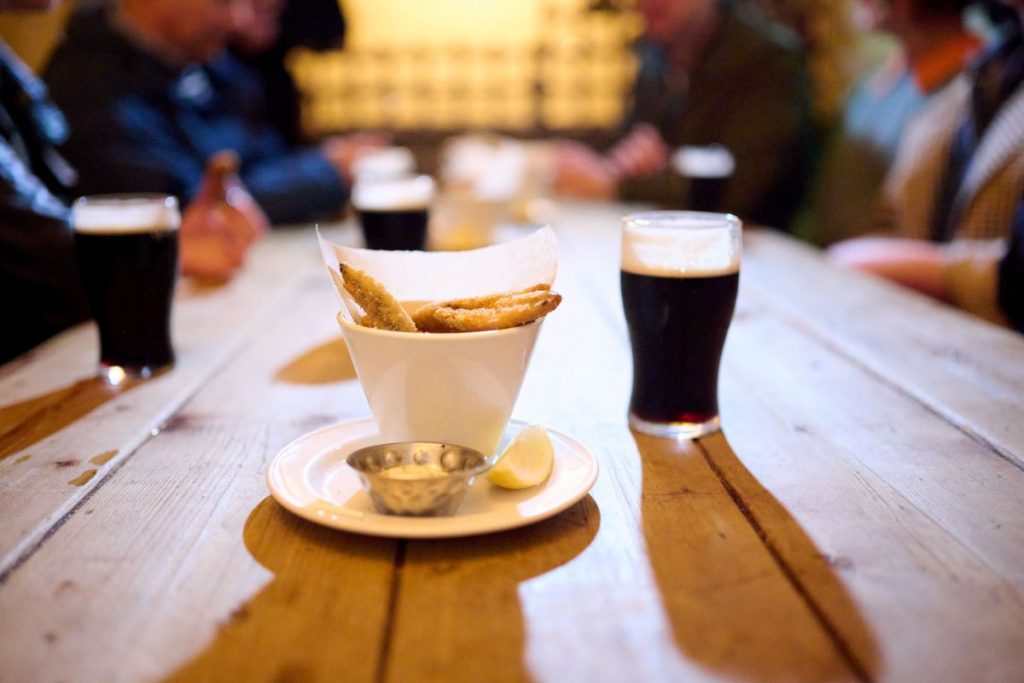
(582, 173)
(641, 153)
(343, 151)
(912, 263)
(221, 223)
(221, 184)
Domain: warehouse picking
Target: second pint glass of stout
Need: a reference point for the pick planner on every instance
(705, 171)
(126, 248)
(680, 275)
(394, 212)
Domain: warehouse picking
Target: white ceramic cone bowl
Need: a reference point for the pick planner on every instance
(456, 388)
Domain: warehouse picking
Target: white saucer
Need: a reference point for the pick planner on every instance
(309, 477)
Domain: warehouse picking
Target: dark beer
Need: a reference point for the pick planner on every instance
(394, 212)
(706, 172)
(127, 258)
(395, 229)
(679, 278)
(677, 327)
(705, 193)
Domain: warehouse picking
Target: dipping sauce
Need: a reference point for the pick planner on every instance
(413, 471)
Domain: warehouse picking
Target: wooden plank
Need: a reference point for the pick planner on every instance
(968, 371)
(922, 524)
(947, 497)
(843, 530)
(657, 577)
(63, 431)
(181, 565)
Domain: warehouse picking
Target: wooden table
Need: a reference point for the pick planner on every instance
(860, 518)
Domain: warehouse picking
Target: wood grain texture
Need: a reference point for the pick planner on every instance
(180, 565)
(57, 410)
(966, 370)
(921, 522)
(857, 520)
(660, 578)
(959, 498)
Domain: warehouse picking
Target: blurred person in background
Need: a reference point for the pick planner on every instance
(276, 28)
(151, 93)
(38, 278)
(711, 72)
(934, 48)
(831, 41)
(954, 193)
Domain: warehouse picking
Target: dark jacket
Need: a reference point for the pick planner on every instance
(311, 24)
(38, 283)
(141, 125)
(1011, 275)
(751, 94)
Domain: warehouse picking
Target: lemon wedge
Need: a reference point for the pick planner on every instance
(526, 462)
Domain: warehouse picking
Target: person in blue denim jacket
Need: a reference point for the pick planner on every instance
(151, 93)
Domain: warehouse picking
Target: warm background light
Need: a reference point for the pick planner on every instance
(523, 66)
(517, 65)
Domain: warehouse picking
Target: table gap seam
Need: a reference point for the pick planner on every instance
(229, 354)
(859, 468)
(391, 612)
(28, 552)
(828, 341)
(845, 651)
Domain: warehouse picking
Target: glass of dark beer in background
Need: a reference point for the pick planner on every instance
(680, 274)
(126, 248)
(394, 212)
(706, 172)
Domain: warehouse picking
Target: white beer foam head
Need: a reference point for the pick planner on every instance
(391, 162)
(681, 244)
(388, 195)
(127, 215)
(713, 161)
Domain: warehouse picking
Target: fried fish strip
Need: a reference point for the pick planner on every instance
(425, 320)
(381, 309)
(496, 318)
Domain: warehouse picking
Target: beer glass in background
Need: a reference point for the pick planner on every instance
(680, 274)
(705, 172)
(126, 249)
(394, 211)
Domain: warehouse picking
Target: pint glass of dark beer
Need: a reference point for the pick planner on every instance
(706, 172)
(680, 273)
(394, 211)
(126, 248)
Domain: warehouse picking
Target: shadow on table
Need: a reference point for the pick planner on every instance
(463, 596)
(323, 364)
(735, 593)
(331, 607)
(27, 422)
(319, 616)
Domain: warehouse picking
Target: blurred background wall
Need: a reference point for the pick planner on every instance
(524, 65)
(527, 67)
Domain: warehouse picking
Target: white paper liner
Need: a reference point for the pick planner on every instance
(419, 276)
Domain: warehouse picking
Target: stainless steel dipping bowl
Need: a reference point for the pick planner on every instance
(417, 478)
